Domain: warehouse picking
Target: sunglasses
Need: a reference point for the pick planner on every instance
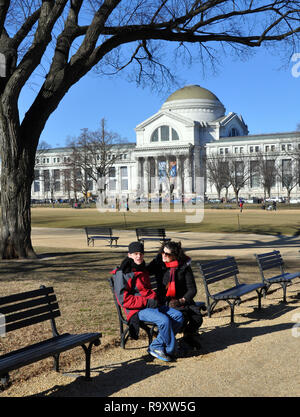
(167, 253)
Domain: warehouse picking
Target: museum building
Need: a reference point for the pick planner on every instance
(170, 153)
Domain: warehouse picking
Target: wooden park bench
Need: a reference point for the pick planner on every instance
(149, 327)
(273, 260)
(18, 311)
(219, 270)
(100, 233)
(143, 234)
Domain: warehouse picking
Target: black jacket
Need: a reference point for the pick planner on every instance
(184, 280)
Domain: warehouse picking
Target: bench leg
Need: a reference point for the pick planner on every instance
(88, 351)
(124, 337)
(56, 362)
(260, 294)
(232, 306)
(284, 285)
(4, 381)
(210, 307)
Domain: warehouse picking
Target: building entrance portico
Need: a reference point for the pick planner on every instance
(164, 174)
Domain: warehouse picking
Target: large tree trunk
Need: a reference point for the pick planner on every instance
(17, 168)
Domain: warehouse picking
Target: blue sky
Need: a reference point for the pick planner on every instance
(261, 89)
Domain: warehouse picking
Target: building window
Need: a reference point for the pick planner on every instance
(124, 178)
(254, 174)
(112, 179)
(233, 132)
(174, 135)
(36, 183)
(256, 148)
(56, 179)
(163, 134)
(46, 179)
(286, 172)
(154, 136)
(251, 149)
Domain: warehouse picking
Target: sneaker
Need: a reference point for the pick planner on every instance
(159, 354)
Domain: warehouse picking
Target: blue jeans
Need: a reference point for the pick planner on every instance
(169, 322)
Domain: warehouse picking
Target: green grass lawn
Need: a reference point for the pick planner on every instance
(285, 222)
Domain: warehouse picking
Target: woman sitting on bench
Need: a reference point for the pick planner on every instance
(176, 287)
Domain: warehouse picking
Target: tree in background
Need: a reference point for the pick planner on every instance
(95, 153)
(268, 170)
(111, 36)
(238, 172)
(217, 173)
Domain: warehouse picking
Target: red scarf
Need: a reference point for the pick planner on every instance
(173, 265)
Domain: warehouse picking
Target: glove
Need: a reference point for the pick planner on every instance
(151, 303)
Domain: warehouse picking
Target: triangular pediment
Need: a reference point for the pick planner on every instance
(172, 116)
(229, 118)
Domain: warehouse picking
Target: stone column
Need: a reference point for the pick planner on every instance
(197, 168)
(156, 179)
(137, 181)
(179, 175)
(146, 174)
(118, 185)
(187, 178)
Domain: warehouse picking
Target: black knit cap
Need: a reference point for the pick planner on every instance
(136, 247)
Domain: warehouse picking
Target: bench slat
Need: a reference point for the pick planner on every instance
(271, 264)
(25, 295)
(27, 304)
(216, 278)
(44, 349)
(32, 320)
(99, 230)
(33, 312)
(151, 232)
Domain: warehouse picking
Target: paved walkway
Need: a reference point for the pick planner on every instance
(214, 243)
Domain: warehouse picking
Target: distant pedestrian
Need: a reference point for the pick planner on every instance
(274, 205)
(241, 206)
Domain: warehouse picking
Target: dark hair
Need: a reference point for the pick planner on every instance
(176, 250)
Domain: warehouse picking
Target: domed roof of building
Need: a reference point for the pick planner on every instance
(192, 92)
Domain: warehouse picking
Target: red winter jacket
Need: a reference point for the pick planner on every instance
(132, 290)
